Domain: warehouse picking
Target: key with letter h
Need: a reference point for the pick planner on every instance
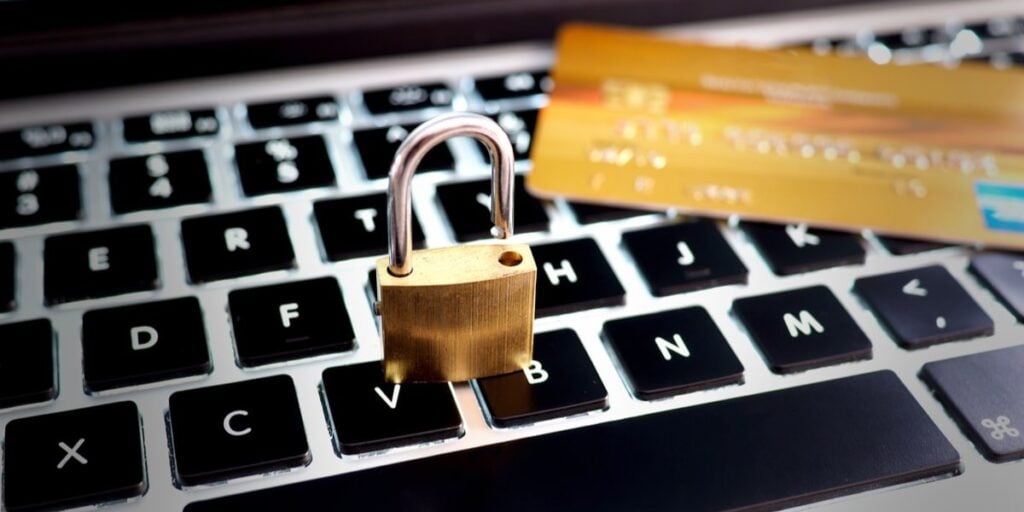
(574, 276)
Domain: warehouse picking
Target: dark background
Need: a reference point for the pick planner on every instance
(49, 46)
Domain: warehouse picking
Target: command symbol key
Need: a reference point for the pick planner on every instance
(982, 392)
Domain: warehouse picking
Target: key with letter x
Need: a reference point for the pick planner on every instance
(74, 458)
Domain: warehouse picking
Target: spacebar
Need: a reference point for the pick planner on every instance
(772, 450)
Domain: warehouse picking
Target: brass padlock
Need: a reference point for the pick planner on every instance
(460, 312)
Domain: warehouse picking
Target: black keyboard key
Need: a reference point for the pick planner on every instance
(520, 126)
(75, 458)
(7, 277)
(39, 196)
(368, 414)
(912, 37)
(982, 393)
(292, 112)
(162, 180)
(514, 85)
(768, 452)
(1003, 274)
(906, 246)
(923, 306)
(99, 264)
(238, 429)
(26, 363)
(684, 257)
(171, 124)
(351, 227)
(672, 352)
(559, 381)
(801, 329)
(589, 213)
(468, 208)
(795, 248)
(236, 244)
(283, 165)
(46, 140)
(574, 276)
(289, 321)
(404, 98)
(377, 148)
(143, 343)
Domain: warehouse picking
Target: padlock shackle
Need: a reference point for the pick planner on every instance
(407, 158)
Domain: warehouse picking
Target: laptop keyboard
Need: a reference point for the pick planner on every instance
(253, 228)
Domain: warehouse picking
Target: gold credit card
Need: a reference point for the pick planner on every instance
(784, 135)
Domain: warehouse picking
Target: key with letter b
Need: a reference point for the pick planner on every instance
(559, 381)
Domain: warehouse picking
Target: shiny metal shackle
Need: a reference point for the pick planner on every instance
(407, 158)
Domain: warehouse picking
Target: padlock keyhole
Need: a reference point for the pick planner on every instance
(510, 258)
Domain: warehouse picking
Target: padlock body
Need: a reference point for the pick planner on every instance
(464, 312)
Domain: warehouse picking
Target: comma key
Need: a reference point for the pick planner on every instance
(923, 306)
